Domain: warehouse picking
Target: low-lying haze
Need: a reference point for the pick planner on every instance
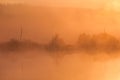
(43, 65)
(40, 23)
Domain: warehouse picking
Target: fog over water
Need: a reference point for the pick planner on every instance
(39, 25)
(42, 65)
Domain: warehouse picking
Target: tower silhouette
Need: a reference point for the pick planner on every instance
(21, 33)
(105, 30)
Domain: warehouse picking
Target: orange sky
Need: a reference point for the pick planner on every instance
(67, 21)
(76, 3)
(84, 3)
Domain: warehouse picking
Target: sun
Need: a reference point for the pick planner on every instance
(113, 5)
(116, 4)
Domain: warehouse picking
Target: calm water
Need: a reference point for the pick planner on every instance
(35, 65)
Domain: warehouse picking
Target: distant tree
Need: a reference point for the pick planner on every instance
(56, 43)
(85, 41)
(105, 41)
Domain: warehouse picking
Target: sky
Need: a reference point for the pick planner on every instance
(75, 3)
(56, 1)
(62, 18)
(83, 3)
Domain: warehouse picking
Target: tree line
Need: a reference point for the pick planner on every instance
(85, 42)
(99, 42)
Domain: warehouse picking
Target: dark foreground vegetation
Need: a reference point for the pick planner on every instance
(101, 42)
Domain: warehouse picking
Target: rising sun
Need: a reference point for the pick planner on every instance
(113, 5)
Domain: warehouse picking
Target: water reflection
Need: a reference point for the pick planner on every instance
(35, 65)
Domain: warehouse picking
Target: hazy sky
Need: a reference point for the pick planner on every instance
(72, 19)
(77, 3)
(85, 3)
(56, 1)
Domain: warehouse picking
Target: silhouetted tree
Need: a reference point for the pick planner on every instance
(105, 41)
(56, 43)
(102, 41)
(85, 41)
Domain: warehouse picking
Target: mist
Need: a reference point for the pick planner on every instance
(34, 65)
(33, 53)
(40, 23)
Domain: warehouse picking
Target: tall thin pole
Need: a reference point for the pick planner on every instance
(21, 33)
(104, 30)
